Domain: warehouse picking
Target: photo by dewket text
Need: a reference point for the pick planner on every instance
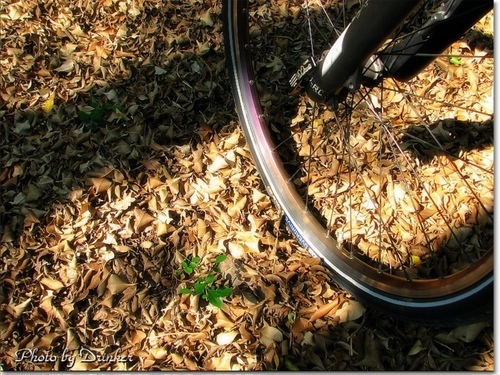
(33, 355)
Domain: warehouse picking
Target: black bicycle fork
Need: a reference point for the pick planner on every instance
(353, 53)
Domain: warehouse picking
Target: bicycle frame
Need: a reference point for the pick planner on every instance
(372, 26)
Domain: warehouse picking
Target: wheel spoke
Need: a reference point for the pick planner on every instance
(390, 174)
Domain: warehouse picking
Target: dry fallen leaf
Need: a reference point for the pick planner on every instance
(51, 283)
(100, 184)
(116, 284)
(466, 333)
(49, 103)
(142, 219)
(85, 262)
(225, 338)
(66, 67)
(350, 310)
(269, 335)
(323, 310)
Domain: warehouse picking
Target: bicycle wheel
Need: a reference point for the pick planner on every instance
(391, 190)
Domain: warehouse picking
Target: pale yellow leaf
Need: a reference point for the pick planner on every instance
(49, 103)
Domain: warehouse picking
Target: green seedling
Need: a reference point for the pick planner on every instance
(218, 259)
(457, 61)
(205, 286)
(188, 265)
(96, 116)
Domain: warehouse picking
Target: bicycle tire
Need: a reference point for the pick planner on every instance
(463, 297)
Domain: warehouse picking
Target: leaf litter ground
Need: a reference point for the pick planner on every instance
(121, 156)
